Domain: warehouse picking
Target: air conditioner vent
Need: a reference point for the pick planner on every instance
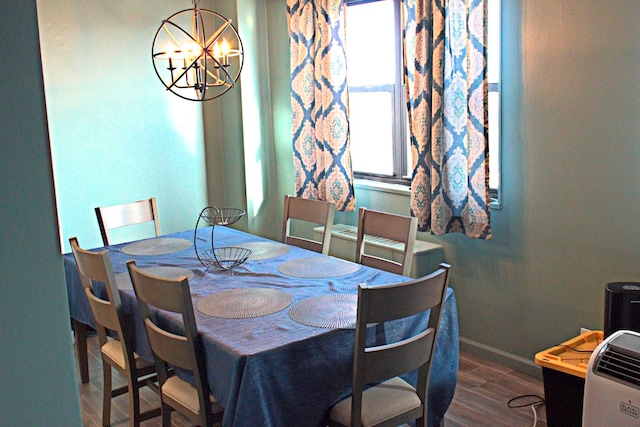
(621, 362)
(371, 239)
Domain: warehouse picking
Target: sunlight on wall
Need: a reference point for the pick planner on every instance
(186, 118)
(251, 110)
(255, 191)
(254, 172)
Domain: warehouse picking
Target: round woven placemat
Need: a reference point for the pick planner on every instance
(318, 267)
(265, 250)
(327, 311)
(123, 280)
(157, 246)
(243, 303)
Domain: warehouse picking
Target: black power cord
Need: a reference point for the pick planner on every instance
(538, 401)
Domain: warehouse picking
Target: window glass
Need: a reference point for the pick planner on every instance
(372, 131)
(371, 47)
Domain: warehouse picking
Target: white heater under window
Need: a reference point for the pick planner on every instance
(612, 384)
(426, 256)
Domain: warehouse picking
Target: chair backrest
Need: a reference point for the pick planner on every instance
(379, 362)
(96, 274)
(178, 346)
(389, 226)
(314, 211)
(116, 216)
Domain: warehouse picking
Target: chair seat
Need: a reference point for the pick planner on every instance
(113, 350)
(382, 402)
(187, 395)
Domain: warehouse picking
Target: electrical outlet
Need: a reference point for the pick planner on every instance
(584, 330)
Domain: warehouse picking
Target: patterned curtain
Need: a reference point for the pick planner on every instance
(319, 102)
(445, 69)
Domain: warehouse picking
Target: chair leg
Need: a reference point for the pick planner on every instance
(106, 394)
(166, 415)
(80, 330)
(134, 402)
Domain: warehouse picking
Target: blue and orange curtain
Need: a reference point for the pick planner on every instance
(319, 102)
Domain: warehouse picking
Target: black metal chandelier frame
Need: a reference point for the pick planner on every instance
(192, 64)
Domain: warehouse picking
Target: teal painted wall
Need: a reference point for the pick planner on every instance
(116, 134)
(37, 372)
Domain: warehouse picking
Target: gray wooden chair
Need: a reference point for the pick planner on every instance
(182, 350)
(116, 216)
(93, 268)
(391, 401)
(313, 211)
(386, 225)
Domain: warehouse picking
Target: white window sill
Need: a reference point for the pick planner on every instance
(385, 187)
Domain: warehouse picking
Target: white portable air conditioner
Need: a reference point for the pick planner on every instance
(612, 383)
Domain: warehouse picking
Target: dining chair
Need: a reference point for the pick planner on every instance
(178, 346)
(95, 271)
(314, 211)
(391, 401)
(398, 228)
(116, 216)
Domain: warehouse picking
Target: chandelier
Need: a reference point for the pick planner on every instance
(197, 54)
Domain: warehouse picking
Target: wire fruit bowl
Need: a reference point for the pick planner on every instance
(221, 216)
(225, 258)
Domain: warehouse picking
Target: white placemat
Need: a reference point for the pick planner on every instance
(318, 267)
(123, 280)
(243, 303)
(326, 311)
(157, 246)
(265, 250)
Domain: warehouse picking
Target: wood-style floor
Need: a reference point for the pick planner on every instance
(482, 393)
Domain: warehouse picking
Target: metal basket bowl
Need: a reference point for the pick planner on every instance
(221, 216)
(224, 258)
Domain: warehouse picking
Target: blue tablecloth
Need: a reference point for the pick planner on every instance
(271, 370)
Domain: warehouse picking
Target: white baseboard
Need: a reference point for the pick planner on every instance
(501, 357)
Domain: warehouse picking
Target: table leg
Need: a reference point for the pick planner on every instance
(80, 330)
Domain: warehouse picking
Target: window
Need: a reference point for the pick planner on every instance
(379, 142)
(493, 77)
(377, 100)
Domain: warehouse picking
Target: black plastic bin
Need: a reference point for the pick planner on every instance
(564, 370)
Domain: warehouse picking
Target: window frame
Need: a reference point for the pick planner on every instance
(496, 86)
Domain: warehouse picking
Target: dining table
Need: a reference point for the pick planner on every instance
(277, 330)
